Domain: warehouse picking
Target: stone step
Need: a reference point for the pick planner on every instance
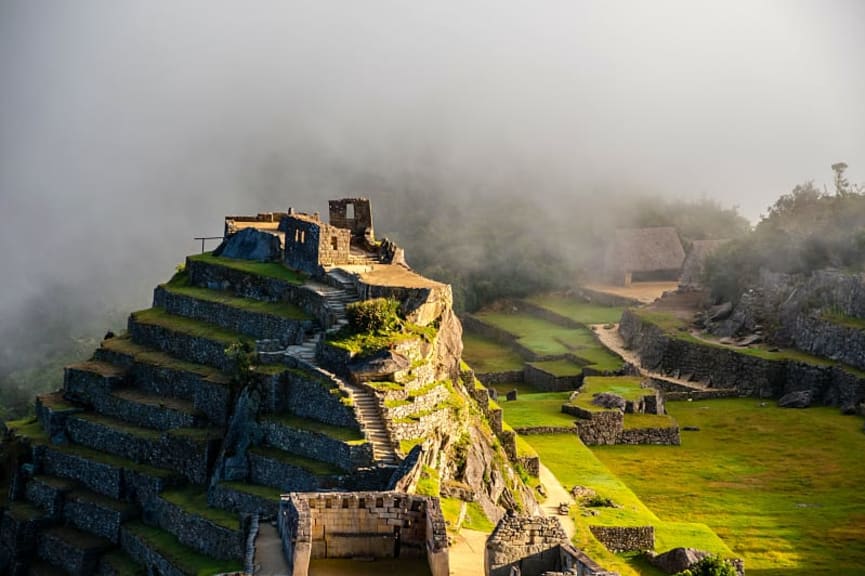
(190, 340)
(337, 446)
(185, 513)
(86, 380)
(155, 372)
(257, 319)
(97, 514)
(20, 524)
(291, 473)
(72, 550)
(48, 493)
(164, 554)
(106, 474)
(149, 410)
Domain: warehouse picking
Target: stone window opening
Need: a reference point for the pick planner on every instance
(349, 211)
(334, 242)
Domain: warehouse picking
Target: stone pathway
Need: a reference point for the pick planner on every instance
(611, 338)
(269, 559)
(466, 553)
(556, 494)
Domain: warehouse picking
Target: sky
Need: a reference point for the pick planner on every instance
(127, 128)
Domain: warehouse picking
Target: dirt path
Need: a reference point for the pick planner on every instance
(556, 494)
(268, 552)
(645, 292)
(466, 554)
(609, 336)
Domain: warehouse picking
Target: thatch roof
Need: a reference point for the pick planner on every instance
(692, 269)
(645, 250)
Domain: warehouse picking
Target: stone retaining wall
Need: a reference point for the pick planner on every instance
(725, 368)
(439, 421)
(497, 378)
(663, 436)
(90, 516)
(215, 277)
(197, 349)
(141, 552)
(226, 498)
(316, 445)
(604, 427)
(199, 533)
(258, 325)
(547, 382)
(625, 538)
(309, 395)
(275, 473)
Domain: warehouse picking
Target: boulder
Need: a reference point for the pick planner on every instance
(251, 244)
(676, 560)
(609, 400)
(720, 312)
(381, 366)
(797, 399)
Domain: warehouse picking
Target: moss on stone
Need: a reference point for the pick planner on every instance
(273, 270)
(182, 557)
(193, 500)
(190, 327)
(315, 467)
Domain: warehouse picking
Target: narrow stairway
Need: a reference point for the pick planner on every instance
(338, 295)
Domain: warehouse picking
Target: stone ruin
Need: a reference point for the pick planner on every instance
(535, 546)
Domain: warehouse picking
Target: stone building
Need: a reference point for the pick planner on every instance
(643, 254)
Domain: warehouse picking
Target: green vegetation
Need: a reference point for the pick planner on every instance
(577, 310)
(196, 328)
(314, 467)
(476, 519)
(429, 483)
(405, 446)
(451, 511)
(844, 320)
(183, 557)
(364, 343)
(29, 428)
(538, 335)
(193, 499)
(122, 564)
(179, 284)
(600, 359)
(781, 487)
(124, 345)
(628, 387)
(486, 355)
(710, 566)
(538, 409)
(266, 269)
(558, 368)
(374, 315)
(575, 465)
(340, 433)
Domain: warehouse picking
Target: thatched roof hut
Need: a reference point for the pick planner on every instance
(654, 253)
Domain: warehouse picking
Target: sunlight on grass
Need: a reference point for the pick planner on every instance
(486, 355)
(577, 310)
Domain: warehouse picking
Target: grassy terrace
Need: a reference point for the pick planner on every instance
(538, 335)
(537, 409)
(558, 368)
(315, 467)
(339, 433)
(144, 355)
(184, 558)
(782, 487)
(677, 328)
(575, 464)
(845, 320)
(576, 310)
(486, 355)
(193, 499)
(196, 328)
(628, 387)
(369, 343)
(265, 492)
(266, 269)
(180, 285)
(122, 564)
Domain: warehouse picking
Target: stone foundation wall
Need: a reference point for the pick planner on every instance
(663, 436)
(358, 524)
(139, 551)
(498, 378)
(603, 428)
(427, 401)
(625, 539)
(73, 558)
(257, 325)
(316, 445)
(286, 477)
(439, 421)
(195, 349)
(309, 395)
(82, 384)
(199, 533)
(527, 543)
(226, 498)
(100, 478)
(548, 382)
(102, 520)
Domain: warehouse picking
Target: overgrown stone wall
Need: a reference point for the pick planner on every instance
(625, 538)
(309, 395)
(223, 496)
(199, 533)
(197, 349)
(498, 378)
(255, 324)
(727, 368)
(604, 427)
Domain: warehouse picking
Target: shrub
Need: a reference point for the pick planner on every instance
(376, 315)
(710, 566)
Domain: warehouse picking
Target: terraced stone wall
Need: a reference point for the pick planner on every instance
(547, 382)
(257, 325)
(726, 368)
(199, 533)
(625, 538)
(309, 396)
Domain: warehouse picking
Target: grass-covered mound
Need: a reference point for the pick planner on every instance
(783, 488)
(375, 325)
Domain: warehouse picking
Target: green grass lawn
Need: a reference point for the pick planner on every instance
(266, 269)
(486, 355)
(599, 358)
(575, 464)
(782, 487)
(628, 387)
(537, 409)
(538, 335)
(559, 368)
(577, 310)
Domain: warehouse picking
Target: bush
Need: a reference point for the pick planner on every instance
(374, 316)
(710, 566)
